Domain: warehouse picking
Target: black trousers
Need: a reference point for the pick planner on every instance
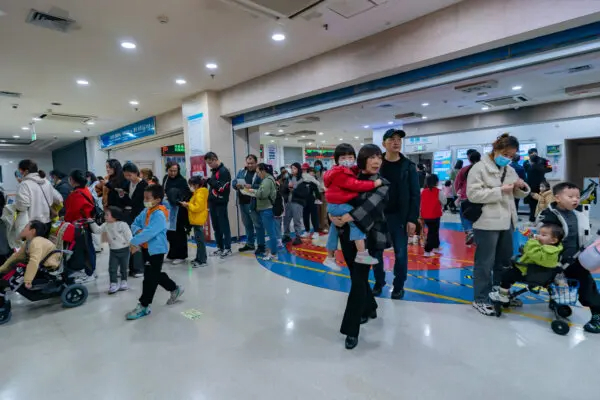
(311, 214)
(361, 301)
(219, 217)
(178, 246)
(153, 276)
(510, 277)
(588, 291)
(532, 207)
(433, 234)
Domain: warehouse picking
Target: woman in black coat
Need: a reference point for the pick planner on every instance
(116, 186)
(177, 191)
(368, 217)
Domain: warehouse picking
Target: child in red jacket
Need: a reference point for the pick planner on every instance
(432, 201)
(342, 186)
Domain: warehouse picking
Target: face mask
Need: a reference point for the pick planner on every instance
(347, 163)
(502, 161)
(318, 167)
(18, 174)
(148, 204)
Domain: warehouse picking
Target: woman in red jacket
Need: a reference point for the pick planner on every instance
(80, 206)
(432, 201)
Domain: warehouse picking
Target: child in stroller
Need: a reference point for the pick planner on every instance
(35, 271)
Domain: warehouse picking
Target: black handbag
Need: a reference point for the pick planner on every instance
(472, 211)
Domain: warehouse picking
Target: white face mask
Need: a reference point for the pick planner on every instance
(347, 163)
(148, 204)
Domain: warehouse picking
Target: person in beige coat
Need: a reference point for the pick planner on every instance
(495, 184)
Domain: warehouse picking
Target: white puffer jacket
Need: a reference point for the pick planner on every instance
(484, 187)
(35, 195)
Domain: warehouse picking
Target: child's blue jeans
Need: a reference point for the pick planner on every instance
(338, 210)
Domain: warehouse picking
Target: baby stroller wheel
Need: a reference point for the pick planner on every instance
(560, 327)
(498, 309)
(74, 296)
(564, 311)
(5, 317)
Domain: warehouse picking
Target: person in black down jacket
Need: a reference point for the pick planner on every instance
(218, 200)
(61, 183)
(134, 205)
(177, 191)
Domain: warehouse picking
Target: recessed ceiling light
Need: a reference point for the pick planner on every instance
(36, 119)
(11, 162)
(285, 139)
(272, 141)
(212, 66)
(2, 141)
(180, 81)
(16, 136)
(321, 133)
(90, 123)
(267, 133)
(366, 126)
(310, 143)
(425, 104)
(77, 131)
(485, 108)
(362, 144)
(134, 102)
(82, 82)
(128, 45)
(25, 128)
(517, 87)
(303, 136)
(323, 141)
(356, 137)
(341, 139)
(424, 117)
(281, 131)
(390, 122)
(278, 37)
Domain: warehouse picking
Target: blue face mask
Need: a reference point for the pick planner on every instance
(502, 161)
(317, 167)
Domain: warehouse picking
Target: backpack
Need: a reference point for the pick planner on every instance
(97, 212)
(278, 206)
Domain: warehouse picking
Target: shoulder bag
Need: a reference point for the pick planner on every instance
(472, 211)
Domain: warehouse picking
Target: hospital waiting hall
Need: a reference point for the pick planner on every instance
(301, 199)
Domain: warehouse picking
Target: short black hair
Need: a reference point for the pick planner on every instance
(58, 174)
(560, 187)
(448, 183)
(459, 164)
(431, 181)
(197, 181)
(470, 151)
(532, 150)
(28, 165)
(211, 156)
(516, 157)
(366, 152)
(252, 156)
(155, 180)
(172, 164)
(131, 167)
(157, 191)
(116, 212)
(91, 175)
(557, 231)
(78, 176)
(343, 149)
(474, 157)
(39, 227)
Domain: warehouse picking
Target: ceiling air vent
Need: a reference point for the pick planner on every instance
(409, 116)
(481, 86)
(504, 101)
(5, 93)
(386, 105)
(56, 19)
(307, 120)
(275, 8)
(61, 117)
(297, 134)
(583, 89)
(572, 70)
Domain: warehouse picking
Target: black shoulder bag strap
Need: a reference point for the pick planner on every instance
(503, 176)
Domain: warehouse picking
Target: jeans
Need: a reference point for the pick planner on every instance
(220, 221)
(397, 229)
(270, 225)
(466, 224)
(118, 260)
(433, 234)
(332, 239)
(153, 276)
(492, 255)
(200, 244)
(253, 225)
(337, 210)
(278, 222)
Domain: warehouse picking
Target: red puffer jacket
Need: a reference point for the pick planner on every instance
(79, 205)
(431, 208)
(343, 185)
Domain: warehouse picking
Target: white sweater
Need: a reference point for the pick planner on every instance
(119, 233)
(35, 196)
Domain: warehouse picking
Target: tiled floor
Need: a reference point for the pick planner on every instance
(263, 336)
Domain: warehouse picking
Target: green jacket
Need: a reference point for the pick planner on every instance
(539, 254)
(266, 193)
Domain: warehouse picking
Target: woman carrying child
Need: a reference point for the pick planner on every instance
(432, 200)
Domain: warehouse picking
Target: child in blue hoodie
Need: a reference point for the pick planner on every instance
(150, 235)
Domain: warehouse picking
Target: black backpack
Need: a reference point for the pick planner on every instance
(97, 213)
(278, 207)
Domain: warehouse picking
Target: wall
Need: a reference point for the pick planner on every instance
(9, 161)
(466, 28)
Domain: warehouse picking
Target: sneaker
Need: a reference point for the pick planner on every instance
(331, 263)
(594, 325)
(365, 259)
(297, 241)
(175, 295)
(377, 289)
(316, 236)
(138, 312)
(428, 254)
(484, 308)
(246, 247)
(397, 294)
(138, 275)
(216, 253)
(225, 253)
(499, 297)
(280, 244)
(85, 278)
(438, 250)
(113, 288)
(179, 261)
(199, 265)
(470, 238)
(268, 257)
(168, 260)
(286, 239)
(306, 234)
(260, 251)
(124, 286)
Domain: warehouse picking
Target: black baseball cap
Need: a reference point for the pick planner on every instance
(391, 132)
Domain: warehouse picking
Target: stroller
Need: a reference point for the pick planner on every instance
(589, 194)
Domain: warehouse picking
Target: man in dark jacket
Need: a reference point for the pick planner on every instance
(60, 181)
(218, 199)
(536, 168)
(402, 210)
(248, 178)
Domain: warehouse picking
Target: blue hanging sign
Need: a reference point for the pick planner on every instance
(137, 130)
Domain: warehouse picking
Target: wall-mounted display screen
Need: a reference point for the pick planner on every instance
(442, 162)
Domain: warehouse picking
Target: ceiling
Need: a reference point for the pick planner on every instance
(44, 64)
(540, 84)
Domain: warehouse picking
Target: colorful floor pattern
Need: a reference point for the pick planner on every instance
(446, 278)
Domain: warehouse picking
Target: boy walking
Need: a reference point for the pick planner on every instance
(150, 234)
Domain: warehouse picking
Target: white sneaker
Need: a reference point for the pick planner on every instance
(113, 288)
(332, 264)
(177, 262)
(216, 253)
(438, 250)
(124, 286)
(269, 257)
(85, 278)
(305, 234)
(429, 254)
(316, 236)
(225, 253)
(484, 308)
(365, 259)
(499, 297)
(168, 260)
(280, 244)
(138, 275)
